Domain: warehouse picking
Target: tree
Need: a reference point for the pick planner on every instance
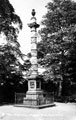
(9, 64)
(58, 41)
(10, 25)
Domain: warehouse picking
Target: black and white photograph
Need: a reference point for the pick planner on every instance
(37, 59)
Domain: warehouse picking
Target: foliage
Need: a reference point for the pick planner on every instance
(8, 18)
(57, 48)
(10, 24)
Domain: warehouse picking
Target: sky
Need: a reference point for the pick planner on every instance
(23, 8)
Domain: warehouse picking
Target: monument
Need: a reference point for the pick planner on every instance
(35, 97)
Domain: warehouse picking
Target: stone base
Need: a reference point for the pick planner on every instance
(37, 98)
(37, 106)
(34, 99)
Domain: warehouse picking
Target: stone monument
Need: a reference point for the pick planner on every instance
(35, 97)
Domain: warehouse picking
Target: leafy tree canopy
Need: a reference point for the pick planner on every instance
(10, 24)
(57, 47)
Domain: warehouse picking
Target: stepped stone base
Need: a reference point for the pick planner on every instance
(37, 98)
(36, 107)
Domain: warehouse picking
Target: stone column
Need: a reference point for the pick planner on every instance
(35, 96)
(34, 84)
(33, 26)
(34, 93)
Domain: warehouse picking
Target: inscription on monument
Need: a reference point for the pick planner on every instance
(32, 85)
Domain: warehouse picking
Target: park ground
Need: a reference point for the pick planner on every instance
(61, 111)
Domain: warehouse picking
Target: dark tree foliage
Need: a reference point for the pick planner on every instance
(10, 67)
(7, 17)
(57, 48)
(10, 24)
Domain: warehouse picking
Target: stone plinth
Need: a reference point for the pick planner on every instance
(33, 98)
(38, 98)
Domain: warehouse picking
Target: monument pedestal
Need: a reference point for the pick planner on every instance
(38, 98)
(35, 97)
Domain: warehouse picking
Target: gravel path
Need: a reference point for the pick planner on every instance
(62, 111)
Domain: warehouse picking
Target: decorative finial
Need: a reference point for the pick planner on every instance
(33, 12)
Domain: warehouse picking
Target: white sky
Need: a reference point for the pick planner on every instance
(23, 8)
